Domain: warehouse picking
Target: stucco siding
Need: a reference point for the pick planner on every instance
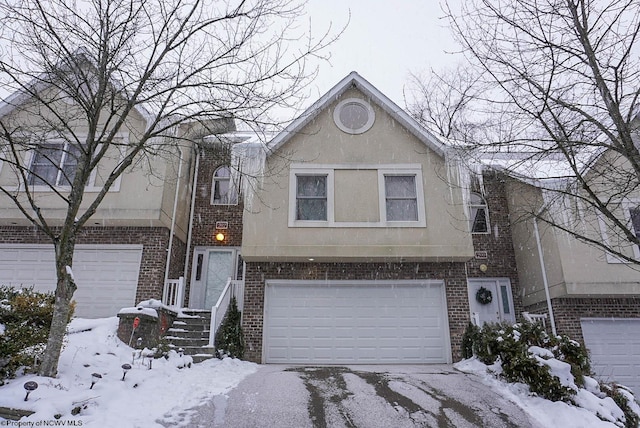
(355, 160)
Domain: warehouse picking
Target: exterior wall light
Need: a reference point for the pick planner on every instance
(483, 268)
(219, 236)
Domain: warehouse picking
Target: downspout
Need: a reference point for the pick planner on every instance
(173, 220)
(191, 212)
(544, 276)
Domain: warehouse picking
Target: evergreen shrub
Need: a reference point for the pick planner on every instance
(25, 319)
(230, 339)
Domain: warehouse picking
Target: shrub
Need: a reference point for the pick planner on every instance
(632, 420)
(230, 338)
(470, 337)
(570, 351)
(25, 316)
(510, 344)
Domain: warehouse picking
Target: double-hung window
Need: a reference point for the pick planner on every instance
(53, 164)
(401, 200)
(311, 197)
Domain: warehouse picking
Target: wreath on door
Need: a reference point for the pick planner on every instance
(484, 296)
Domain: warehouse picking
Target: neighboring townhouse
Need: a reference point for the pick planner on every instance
(353, 236)
(585, 292)
(136, 239)
(357, 244)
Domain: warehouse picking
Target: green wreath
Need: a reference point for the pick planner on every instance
(484, 296)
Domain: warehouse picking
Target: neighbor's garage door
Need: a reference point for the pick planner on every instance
(614, 345)
(106, 275)
(358, 322)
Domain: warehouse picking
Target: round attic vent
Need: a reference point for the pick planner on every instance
(353, 116)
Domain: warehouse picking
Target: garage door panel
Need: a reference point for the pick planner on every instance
(614, 347)
(107, 275)
(355, 322)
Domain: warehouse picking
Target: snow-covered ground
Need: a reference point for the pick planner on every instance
(548, 413)
(163, 395)
(147, 397)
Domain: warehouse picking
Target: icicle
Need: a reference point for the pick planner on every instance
(247, 168)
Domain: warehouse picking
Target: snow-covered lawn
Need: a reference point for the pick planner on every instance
(145, 398)
(164, 394)
(549, 413)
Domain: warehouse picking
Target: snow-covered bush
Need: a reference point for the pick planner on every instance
(556, 368)
(510, 345)
(25, 317)
(625, 400)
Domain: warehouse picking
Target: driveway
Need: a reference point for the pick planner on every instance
(360, 396)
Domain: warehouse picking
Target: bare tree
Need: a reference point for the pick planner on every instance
(556, 89)
(440, 101)
(82, 72)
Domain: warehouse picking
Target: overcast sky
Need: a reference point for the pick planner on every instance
(383, 42)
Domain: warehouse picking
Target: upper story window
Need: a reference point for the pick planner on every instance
(222, 190)
(401, 200)
(311, 197)
(479, 214)
(53, 164)
(362, 196)
(354, 116)
(634, 214)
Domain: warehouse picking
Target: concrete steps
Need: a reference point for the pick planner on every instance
(190, 332)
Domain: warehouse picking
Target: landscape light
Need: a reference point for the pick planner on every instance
(30, 386)
(95, 377)
(125, 368)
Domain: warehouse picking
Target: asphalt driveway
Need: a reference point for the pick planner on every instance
(360, 396)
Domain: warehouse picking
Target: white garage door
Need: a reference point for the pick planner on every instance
(106, 275)
(614, 345)
(357, 322)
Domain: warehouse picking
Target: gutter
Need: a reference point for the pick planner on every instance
(173, 219)
(544, 276)
(191, 211)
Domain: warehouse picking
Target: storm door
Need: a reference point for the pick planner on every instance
(211, 270)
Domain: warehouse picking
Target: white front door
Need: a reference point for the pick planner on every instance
(499, 309)
(211, 270)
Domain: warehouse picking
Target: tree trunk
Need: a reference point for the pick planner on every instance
(64, 293)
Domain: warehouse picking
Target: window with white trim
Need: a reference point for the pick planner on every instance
(395, 191)
(401, 200)
(613, 237)
(53, 164)
(311, 197)
(478, 213)
(223, 192)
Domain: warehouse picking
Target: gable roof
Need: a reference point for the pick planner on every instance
(45, 80)
(352, 80)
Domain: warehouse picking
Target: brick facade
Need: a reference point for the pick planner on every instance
(205, 215)
(258, 273)
(154, 240)
(498, 244)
